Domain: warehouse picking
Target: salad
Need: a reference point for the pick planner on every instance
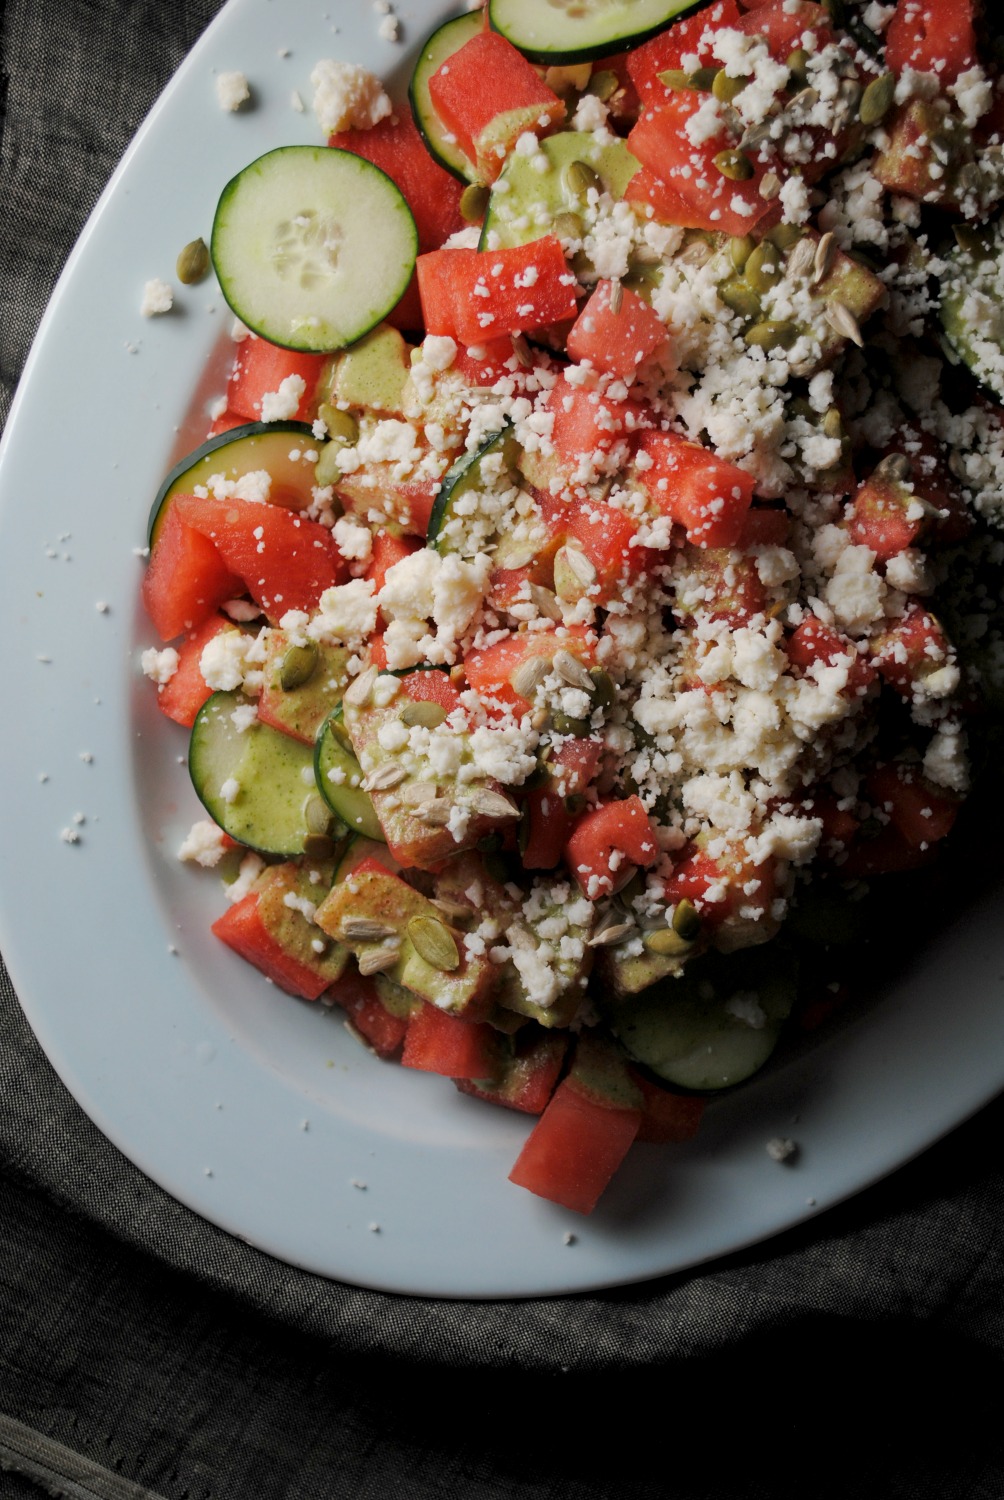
(586, 587)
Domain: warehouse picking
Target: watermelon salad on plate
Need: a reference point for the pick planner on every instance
(583, 600)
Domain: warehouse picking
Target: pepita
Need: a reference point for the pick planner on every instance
(686, 920)
(970, 239)
(725, 89)
(193, 262)
(784, 236)
(763, 269)
(564, 724)
(797, 63)
(734, 165)
(740, 297)
(702, 79)
(473, 202)
(741, 247)
(342, 426)
(326, 470)
(318, 847)
(424, 714)
(603, 84)
(567, 226)
(579, 177)
(833, 424)
(317, 815)
(604, 693)
(666, 942)
(298, 665)
(877, 99)
(433, 941)
(771, 334)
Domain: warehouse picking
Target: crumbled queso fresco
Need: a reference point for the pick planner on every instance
(761, 700)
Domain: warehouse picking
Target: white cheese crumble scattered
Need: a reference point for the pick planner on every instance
(232, 90)
(283, 404)
(159, 666)
(204, 844)
(347, 97)
(158, 298)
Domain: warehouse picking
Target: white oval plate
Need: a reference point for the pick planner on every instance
(259, 1112)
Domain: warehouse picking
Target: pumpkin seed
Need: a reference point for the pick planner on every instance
(686, 920)
(734, 165)
(317, 814)
(969, 179)
(390, 774)
(423, 714)
(357, 694)
(763, 269)
(797, 63)
(970, 239)
(570, 669)
(193, 262)
(604, 693)
(473, 202)
(365, 930)
(342, 425)
(433, 941)
(666, 942)
(702, 79)
(833, 424)
(491, 804)
(579, 177)
(740, 297)
(567, 226)
(725, 89)
(298, 665)
(674, 78)
(318, 846)
(771, 334)
(379, 960)
(785, 236)
(528, 676)
(326, 470)
(877, 99)
(564, 724)
(741, 247)
(603, 84)
(843, 321)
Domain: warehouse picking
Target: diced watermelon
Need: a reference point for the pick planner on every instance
(814, 641)
(575, 1148)
(387, 551)
(691, 37)
(243, 930)
(490, 669)
(487, 95)
(358, 996)
(705, 493)
(438, 1043)
(608, 843)
(616, 342)
(473, 295)
(259, 370)
(922, 812)
(186, 581)
(932, 36)
(286, 561)
(721, 585)
(528, 1073)
(667, 1117)
(186, 692)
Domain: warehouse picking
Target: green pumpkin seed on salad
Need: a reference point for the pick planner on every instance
(588, 585)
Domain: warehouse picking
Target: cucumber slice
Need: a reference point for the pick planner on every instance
(713, 1027)
(313, 246)
(256, 783)
(972, 314)
(563, 33)
(443, 42)
(465, 475)
(526, 203)
(335, 770)
(242, 450)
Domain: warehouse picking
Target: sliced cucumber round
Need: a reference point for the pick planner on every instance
(256, 783)
(713, 1027)
(442, 44)
(556, 33)
(313, 246)
(243, 450)
(338, 774)
(460, 478)
(972, 314)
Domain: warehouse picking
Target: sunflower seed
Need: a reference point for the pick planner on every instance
(529, 675)
(614, 932)
(824, 257)
(521, 349)
(520, 556)
(365, 930)
(433, 941)
(697, 253)
(454, 911)
(437, 814)
(492, 804)
(616, 297)
(770, 186)
(571, 670)
(358, 693)
(417, 793)
(545, 601)
(379, 960)
(800, 260)
(894, 468)
(384, 777)
(843, 321)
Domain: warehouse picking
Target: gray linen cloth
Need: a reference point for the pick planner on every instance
(144, 1352)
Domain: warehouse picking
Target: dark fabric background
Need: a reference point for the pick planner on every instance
(861, 1355)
